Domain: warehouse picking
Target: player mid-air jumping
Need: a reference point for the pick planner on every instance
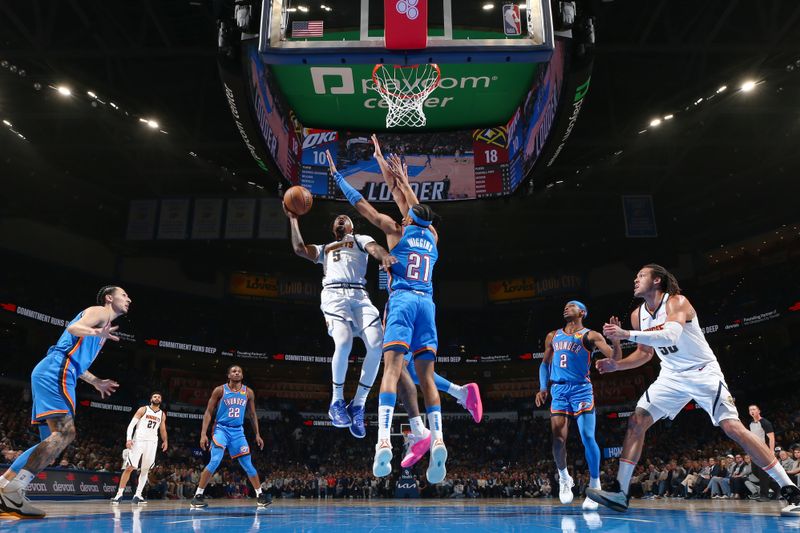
(410, 326)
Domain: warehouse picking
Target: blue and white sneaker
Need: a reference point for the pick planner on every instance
(337, 412)
(356, 413)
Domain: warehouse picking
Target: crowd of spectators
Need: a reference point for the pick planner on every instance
(499, 458)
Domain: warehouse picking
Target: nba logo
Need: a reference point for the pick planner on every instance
(511, 20)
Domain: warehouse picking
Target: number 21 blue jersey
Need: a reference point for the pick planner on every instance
(416, 255)
(232, 407)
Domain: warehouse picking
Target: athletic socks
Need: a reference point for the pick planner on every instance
(594, 483)
(563, 473)
(435, 422)
(417, 426)
(776, 472)
(258, 492)
(386, 402)
(361, 395)
(199, 491)
(458, 392)
(338, 392)
(624, 474)
(21, 481)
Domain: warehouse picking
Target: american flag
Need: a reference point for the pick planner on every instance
(307, 28)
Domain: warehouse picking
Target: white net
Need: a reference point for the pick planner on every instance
(405, 89)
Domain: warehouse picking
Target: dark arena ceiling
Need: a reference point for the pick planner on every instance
(724, 167)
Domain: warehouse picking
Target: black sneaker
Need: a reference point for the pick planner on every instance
(17, 504)
(199, 502)
(264, 499)
(792, 495)
(618, 501)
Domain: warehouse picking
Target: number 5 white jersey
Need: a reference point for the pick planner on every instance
(345, 261)
(148, 425)
(691, 352)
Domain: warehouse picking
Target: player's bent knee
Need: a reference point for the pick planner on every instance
(247, 465)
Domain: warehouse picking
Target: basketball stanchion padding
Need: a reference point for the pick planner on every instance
(405, 24)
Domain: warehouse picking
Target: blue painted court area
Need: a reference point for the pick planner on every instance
(372, 166)
(423, 517)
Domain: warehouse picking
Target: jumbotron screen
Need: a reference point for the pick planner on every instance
(461, 164)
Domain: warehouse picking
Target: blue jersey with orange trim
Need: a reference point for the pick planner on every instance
(571, 360)
(416, 255)
(81, 351)
(232, 407)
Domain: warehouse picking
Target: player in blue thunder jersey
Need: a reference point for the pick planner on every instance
(232, 402)
(565, 371)
(53, 389)
(410, 326)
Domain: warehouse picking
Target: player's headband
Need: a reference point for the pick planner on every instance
(581, 306)
(417, 220)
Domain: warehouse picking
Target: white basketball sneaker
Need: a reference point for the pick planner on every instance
(565, 489)
(382, 465)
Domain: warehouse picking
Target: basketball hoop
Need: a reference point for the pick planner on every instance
(405, 89)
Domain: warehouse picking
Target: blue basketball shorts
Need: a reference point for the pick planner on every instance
(410, 325)
(571, 399)
(53, 388)
(231, 438)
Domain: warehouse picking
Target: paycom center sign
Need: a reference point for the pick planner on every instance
(344, 96)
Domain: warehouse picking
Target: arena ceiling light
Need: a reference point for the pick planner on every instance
(655, 122)
(669, 117)
(722, 89)
(64, 90)
(488, 7)
(748, 86)
(7, 123)
(304, 9)
(91, 94)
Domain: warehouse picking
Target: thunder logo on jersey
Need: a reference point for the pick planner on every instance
(232, 407)
(571, 360)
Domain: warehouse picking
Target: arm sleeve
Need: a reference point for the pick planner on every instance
(320, 253)
(544, 376)
(352, 195)
(129, 431)
(667, 336)
(362, 241)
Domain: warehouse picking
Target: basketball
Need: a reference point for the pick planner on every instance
(298, 200)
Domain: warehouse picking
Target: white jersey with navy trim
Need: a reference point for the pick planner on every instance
(344, 262)
(689, 353)
(148, 426)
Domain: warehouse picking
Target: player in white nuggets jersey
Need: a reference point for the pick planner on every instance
(348, 311)
(666, 324)
(148, 422)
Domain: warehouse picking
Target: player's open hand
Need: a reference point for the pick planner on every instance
(106, 387)
(615, 332)
(287, 212)
(107, 332)
(260, 442)
(378, 154)
(387, 262)
(541, 398)
(607, 365)
(164, 446)
(204, 442)
(331, 164)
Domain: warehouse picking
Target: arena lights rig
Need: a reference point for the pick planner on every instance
(96, 101)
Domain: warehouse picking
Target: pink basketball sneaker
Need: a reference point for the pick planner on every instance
(417, 450)
(473, 402)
